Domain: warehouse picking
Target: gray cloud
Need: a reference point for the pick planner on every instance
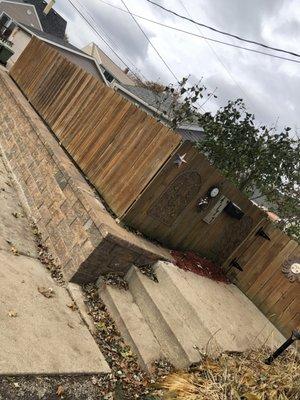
(126, 33)
(288, 28)
(241, 17)
(269, 86)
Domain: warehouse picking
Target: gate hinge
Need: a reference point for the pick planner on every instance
(234, 263)
(263, 234)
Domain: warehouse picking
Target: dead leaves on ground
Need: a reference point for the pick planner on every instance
(46, 292)
(12, 314)
(72, 306)
(60, 391)
(14, 250)
(237, 376)
(17, 215)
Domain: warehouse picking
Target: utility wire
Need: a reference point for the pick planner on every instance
(202, 36)
(216, 54)
(101, 37)
(112, 41)
(175, 77)
(223, 32)
(149, 41)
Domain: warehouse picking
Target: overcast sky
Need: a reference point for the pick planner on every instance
(269, 86)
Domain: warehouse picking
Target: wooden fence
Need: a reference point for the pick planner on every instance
(133, 161)
(116, 145)
(168, 211)
(262, 278)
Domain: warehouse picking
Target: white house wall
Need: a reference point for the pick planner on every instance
(20, 40)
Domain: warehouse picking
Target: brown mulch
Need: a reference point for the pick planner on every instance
(190, 261)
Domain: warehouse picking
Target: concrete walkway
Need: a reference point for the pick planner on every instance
(38, 334)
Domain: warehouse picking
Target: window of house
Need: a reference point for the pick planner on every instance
(108, 76)
(6, 25)
(5, 20)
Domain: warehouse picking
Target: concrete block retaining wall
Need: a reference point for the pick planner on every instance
(73, 222)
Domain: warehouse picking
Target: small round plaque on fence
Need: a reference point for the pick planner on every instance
(291, 269)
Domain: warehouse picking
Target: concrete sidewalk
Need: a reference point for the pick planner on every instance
(38, 334)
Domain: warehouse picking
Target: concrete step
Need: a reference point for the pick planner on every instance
(203, 335)
(131, 324)
(234, 322)
(168, 318)
(202, 299)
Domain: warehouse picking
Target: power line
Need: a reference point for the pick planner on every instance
(113, 42)
(223, 32)
(176, 79)
(202, 36)
(101, 37)
(215, 53)
(149, 41)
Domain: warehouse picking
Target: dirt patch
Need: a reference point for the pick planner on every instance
(50, 388)
(192, 262)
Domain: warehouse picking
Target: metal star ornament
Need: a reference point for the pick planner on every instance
(180, 159)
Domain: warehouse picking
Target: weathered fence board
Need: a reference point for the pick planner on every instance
(118, 147)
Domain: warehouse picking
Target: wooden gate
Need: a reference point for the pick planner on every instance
(262, 278)
(168, 209)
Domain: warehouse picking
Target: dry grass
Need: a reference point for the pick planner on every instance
(238, 377)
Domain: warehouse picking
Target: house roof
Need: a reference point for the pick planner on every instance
(52, 23)
(21, 12)
(161, 102)
(51, 38)
(192, 133)
(108, 64)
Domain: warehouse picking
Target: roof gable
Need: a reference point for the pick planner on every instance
(21, 12)
(108, 64)
(51, 23)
